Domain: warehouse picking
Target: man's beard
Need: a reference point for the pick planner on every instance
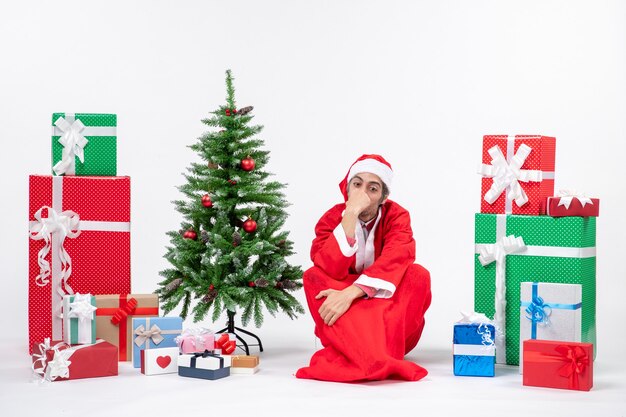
(368, 214)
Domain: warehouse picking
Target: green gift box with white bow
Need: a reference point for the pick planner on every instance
(512, 249)
(84, 144)
(79, 319)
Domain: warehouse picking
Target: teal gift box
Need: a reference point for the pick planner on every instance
(154, 332)
(84, 144)
(79, 319)
(512, 249)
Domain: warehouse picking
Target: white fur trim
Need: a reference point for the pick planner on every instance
(375, 167)
(344, 246)
(385, 289)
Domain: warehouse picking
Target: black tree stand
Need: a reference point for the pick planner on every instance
(230, 328)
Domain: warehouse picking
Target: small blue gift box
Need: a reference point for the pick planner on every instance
(474, 349)
(154, 332)
(202, 365)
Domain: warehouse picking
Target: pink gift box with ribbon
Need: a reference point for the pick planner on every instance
(196, 340)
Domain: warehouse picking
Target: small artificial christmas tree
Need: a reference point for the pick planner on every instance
(230, 253)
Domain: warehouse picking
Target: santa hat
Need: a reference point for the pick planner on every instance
(374, 164)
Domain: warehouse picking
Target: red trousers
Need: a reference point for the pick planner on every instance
(370, 340)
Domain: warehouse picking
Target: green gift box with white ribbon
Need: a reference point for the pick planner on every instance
(84, 144)
(79, 319)
(512, 249)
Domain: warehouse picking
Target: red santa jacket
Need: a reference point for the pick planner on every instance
(381, 261)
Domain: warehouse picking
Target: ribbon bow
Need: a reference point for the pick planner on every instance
(73, 143)
(81, 307)
(123, 312)
(568, 195)
(226, 343)
(205, 354)
(576, 360)
(538, 311)
(66, 224)
(58, 367)
(154, 334)
(505, 246)
(508, 174)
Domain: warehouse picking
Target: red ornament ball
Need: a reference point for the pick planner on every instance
(206, 201)
(251, 284)
(227, 112)
(234, 111)
(247, 164)
(190, 234)
(211, 287)
(249, 226)
(232, 182)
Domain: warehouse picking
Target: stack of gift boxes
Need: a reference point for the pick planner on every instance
(82, 318)
(534, 273)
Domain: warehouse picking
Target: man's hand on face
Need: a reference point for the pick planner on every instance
(358, 200)
(337, 302)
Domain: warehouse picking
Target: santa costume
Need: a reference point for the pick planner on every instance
(370, 340)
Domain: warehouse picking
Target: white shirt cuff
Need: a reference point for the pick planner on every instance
(344, 246)
(385, 289)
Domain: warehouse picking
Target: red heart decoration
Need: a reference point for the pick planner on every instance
(163, 361)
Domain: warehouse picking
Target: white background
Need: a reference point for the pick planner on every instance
(418, 82)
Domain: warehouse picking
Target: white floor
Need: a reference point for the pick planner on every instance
(275, 391)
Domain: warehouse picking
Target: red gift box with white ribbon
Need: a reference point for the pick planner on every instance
(518, 173)
(58, 361)
(79, 243)
(571, 203)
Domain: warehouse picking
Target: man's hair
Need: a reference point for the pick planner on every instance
(385, 193)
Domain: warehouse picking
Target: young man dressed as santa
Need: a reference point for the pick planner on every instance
(366, 295)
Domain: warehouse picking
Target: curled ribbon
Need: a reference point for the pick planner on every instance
(538, 311)
(73, 143)
(81, 308)
(143, 335)
(66, 224)
(508, 174)
(568, 195)
(123, 312)
(485, 334)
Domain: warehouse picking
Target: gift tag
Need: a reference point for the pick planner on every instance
(159, 361)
